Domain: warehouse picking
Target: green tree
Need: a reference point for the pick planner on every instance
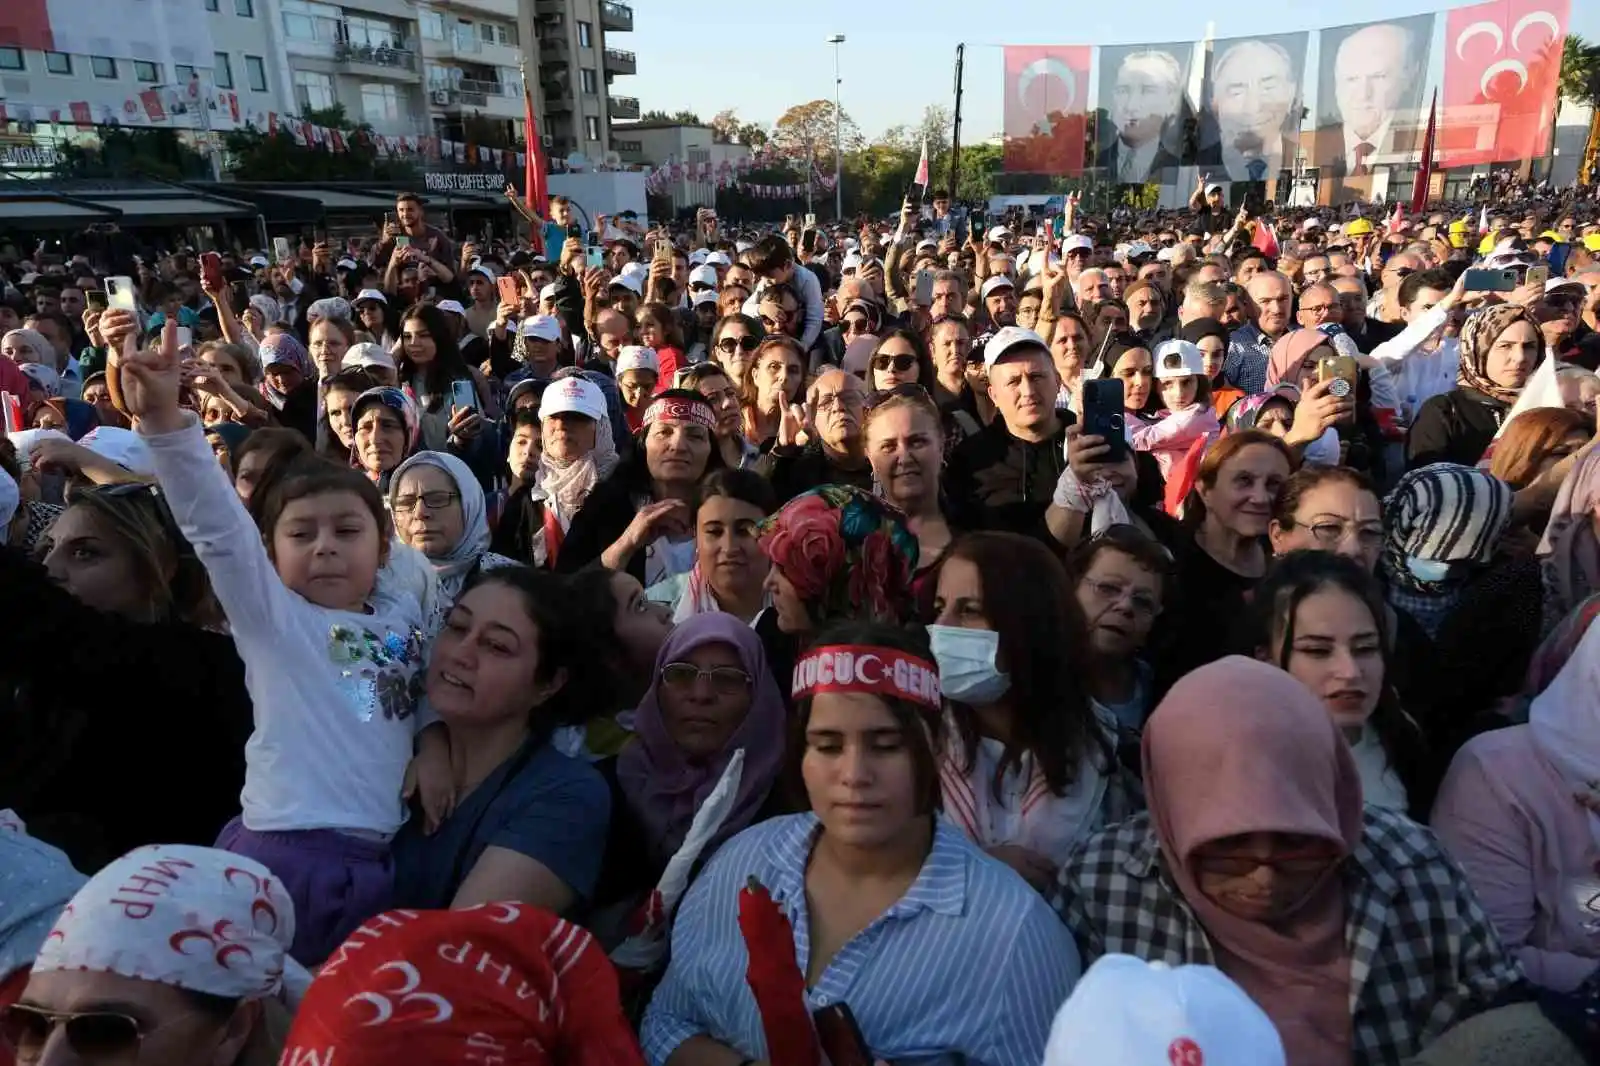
(682, 118)
(1580, 71)
(256, 156)
(154, 153)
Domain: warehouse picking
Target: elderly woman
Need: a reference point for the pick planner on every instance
(388, 431)
(1500, 347)
(1349, 926)
(289, 383)
(439, 509)
(173, 954)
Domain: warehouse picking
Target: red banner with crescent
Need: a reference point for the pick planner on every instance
(1502, 72)
(1047, 98)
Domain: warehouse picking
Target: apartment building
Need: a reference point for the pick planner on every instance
(657, 143)
(578, 66)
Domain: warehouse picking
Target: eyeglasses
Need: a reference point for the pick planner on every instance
(1330, 533)
(744, 344)
(1318, 309)
(92, 1035)
(901, 362)
(775, 324)
(848, 400)
(724, 680)
(1297, 863)
(437, 500)
(855, 325)
(1139, 602)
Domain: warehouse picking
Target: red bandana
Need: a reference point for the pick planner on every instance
(672, 409)
(865, 668)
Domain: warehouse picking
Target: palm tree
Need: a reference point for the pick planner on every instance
(1580, 82)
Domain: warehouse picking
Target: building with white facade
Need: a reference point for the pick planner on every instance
(662, 143)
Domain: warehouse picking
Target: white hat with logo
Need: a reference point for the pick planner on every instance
(572, 396)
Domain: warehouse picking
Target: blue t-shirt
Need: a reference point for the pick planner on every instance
(555, 810)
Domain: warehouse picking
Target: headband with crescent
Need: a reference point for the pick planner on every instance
(672, 409)
(874, 670)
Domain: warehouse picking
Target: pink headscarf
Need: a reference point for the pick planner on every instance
(1289, 352)
(1236, 747)
(1568, 552)
(663, 787)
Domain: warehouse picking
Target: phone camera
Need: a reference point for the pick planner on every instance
(1115, 422)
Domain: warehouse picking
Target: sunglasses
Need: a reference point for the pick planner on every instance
(743, 344)
(856, 325)
(901, 363)
(724, 680)
(91, 1035)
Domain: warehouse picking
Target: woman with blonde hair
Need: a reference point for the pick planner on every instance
(1536, 440)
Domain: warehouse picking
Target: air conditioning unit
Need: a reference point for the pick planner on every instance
(441, 97)
(547, 140)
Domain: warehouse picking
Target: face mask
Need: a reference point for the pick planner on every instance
(966, 659)
(1427, 569)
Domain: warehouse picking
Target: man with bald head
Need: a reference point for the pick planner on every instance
(835, 454)
(1374, 74)
(1319, 306)
(1368, 333)
(1271, 298)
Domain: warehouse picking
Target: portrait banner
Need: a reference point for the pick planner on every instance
(1370, 107)
(1046, 102)
(1146, 131)
(1502, 77)
(1251, 106)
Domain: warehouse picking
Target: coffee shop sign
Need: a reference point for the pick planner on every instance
(464, 181)
(23, 155)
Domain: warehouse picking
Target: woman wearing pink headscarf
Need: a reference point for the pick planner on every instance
(1349, 926)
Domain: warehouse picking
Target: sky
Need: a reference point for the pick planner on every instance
(899, 55)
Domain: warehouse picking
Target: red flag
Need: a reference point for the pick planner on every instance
(1265, 240)
(152, 105)
(535, 191)
(922, 167)
(1047, 94)
(80, 114)
(1419, 187)
(1502, 72)
(1184, 473)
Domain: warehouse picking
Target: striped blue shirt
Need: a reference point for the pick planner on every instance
(969, 966)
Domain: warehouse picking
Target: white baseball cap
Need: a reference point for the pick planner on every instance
(849, 263)
(1213, 187)
(703, 275)
(635, 357)
(572, 396)
(1164, 255)
(367, 354)
(1127, 1012)
(999, 233)
(453, 306)
(1077, 243)
(927, 242)
(1008, 339)
(1179, 359)
(121, 446)
(628, 281)
(635, 270)
(995, 281)
(698, 256)
(255, 261)
(721, 258)
(541, 328)
(370, 294)
(704, 296)
(1570, 285)
(548, 292)
(1138, 249)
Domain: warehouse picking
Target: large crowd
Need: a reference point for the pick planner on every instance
(941, 639)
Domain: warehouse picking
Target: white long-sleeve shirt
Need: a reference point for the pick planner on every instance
(1419, 374)
(331, 689)
(805, 283)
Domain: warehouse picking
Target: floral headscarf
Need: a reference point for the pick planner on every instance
(1245, 412)
(45, 377)
(397, 401)
(847, 552)
(1478, 335)
(286, 349)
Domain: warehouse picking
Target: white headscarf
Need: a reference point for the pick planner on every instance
(174, 914)
(1565, 719)
(567, 484)
(453, 567)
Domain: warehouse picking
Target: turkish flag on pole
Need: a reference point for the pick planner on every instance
(534, 190)
(922, 167)
(1419, 188)
(1047, 95)
(1502, 71)
(1265, 240)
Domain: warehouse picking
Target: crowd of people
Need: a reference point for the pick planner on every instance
(1066, 641)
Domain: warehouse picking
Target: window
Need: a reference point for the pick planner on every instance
(58, 62)
(380, 104)
(585, 35)
(486, 31)
(149, 73)
(303, 21)
(103, 67)
(11, 59)
(432, 25)
(255, 72)
(372, 32)
(183, 73)
(591, 125)
(313, 90)
(589, 81)
(245, 9)
(212, 5)
(507, 35)
(222, 74)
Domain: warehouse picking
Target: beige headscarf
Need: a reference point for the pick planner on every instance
(1478, 335)
(1237, 747)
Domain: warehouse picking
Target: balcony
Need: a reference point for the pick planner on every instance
(555, 52)
(623, 107)
(503, 8)
(549, 8)
(557, 99)
(620, 62)
(469, 94)
(615, 17)
(382, 61)
(630, 151)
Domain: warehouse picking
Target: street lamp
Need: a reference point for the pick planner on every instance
(838, 132)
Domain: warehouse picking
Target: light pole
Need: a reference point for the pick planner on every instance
(838, 132)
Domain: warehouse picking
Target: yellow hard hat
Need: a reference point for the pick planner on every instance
(1486, 245)
(1552, 235)
(1592, 242)
(1357, 227)
(1458, 240)
(1458, 226)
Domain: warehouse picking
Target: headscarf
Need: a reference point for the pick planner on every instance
(1478, 335)
(283, 348)
(1239, 746)
(1557, 648)
(1442, 512)
(397, 401)
(568, 482)
(267, 307)
(79, 417)
(45, 377)
(1569, 555)
(174, 914)
(1565, 720)
(453, 567)
(519, 984)
(847, 552)
(1245, 412)
(1196, 329)
(10, 501)
(1288, 353)
(336, 307)
(36, 881)
(233, 434)
(664, 788)
(43, 349)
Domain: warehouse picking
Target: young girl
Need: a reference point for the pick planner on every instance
(329, 657)
(638, 372)
(1181, 375)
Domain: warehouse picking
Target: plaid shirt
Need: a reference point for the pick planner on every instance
(1245, 365)
(1423, 954)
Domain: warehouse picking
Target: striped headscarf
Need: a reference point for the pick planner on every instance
(1442, 512)
(1478, 335)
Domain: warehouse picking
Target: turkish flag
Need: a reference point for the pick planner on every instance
(1047, 95)
(80, 114)
(1502, 71)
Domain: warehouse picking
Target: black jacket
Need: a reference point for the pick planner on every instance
(1454, 427)
(995, 481)
(796, 470)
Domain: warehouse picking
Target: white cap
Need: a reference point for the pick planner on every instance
(721, 258)
(635, 357)
(25, 440)
(370, 294)
(541, 328)
(1008, 338)
(1565, 284)
(453, 306)
(255, 261)
(1137, 249)
(1164, 255)
(1179, 359)
(850, 262)
(572, 396)
(122, 446)
(635, 270)
(548, 292)
(1312, 223)
(995, 281)
(1213, 187)
(740, 246)
(927, 242)
(628, 281)
(1077, 243)
(704, 296)
(1127, 1012)
(999, 233)
(367, 354)
(698, 256)
(484, 269)
(703, 275)
(347, 264)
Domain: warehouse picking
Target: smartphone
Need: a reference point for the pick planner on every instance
(211, 270)
(663, 251)
(811, 220)
(185, 338)
(1480, 279)
(574, 230)
(509, 293)
(121, 293)
(402, 241)
(1341, 370)
(840, 1036)
(95, 300)
(594, 256)
(1537, 275)
(280, 250)
(1103, 417)
(924, 293)
(463, 394)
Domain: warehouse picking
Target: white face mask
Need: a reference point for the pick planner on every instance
(966, 658)
(1427, 569)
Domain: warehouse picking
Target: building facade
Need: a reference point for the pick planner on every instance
(656, 144)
